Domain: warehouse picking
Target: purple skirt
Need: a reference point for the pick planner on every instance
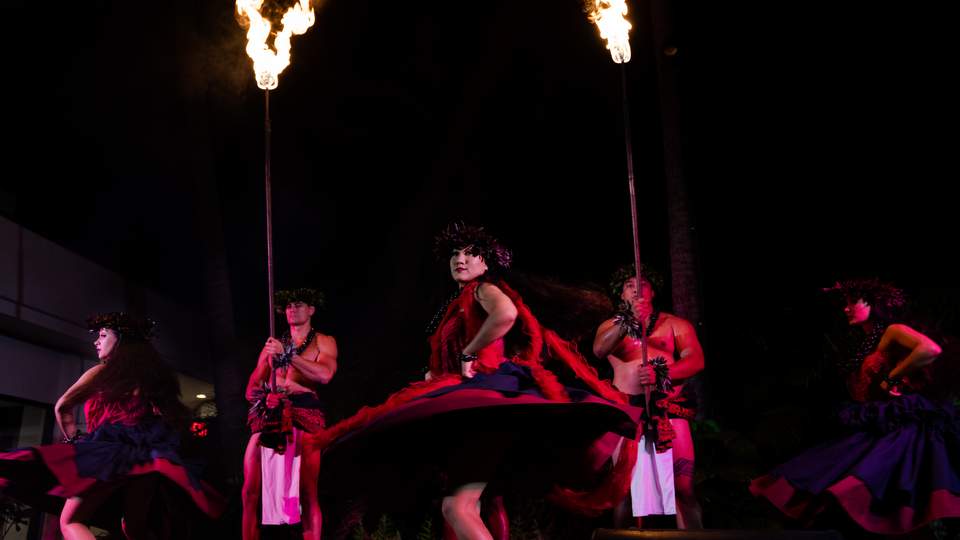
(897, 470)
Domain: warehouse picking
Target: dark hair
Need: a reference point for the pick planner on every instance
(886, 300)
(458, 235)
(135, 366)
(311, 297)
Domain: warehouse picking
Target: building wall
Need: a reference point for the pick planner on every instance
(46, 294)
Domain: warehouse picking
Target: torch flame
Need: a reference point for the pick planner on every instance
(610, 16)
(268, 64)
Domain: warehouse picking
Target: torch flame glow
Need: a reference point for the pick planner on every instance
(268, 64)
(610, 16)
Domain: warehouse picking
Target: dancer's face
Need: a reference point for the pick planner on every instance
(857, 312)
(631, 295)
(466, 267)
(298, 313)
(106, 341)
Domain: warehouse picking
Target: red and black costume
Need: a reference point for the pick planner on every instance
(127, 440)
(303, 410)
(513, 424)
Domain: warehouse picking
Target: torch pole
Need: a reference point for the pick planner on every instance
(269, 202)
(633, 218)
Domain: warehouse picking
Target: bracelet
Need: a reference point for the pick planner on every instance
(663, 381)
(464, 357)
(284, 360)
(77, 435)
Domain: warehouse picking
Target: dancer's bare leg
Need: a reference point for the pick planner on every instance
(462, 511)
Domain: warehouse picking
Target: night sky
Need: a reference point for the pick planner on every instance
(135, 137)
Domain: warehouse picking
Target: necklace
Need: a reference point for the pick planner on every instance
(867, 345)
(438, 316)
(653, 322)
(628, 322)
(287, 341)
